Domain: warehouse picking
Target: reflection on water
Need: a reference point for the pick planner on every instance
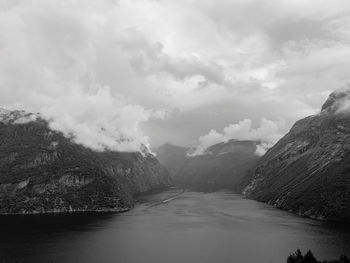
(187, 227)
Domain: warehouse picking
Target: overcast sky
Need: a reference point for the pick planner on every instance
(147, 71)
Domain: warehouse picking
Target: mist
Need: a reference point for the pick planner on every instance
(266, 135)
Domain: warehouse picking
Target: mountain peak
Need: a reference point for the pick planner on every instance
(16, 117)
(3, 111)
(336, 100)
(307, 171)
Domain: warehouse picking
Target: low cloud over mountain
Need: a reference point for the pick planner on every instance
(268, 133)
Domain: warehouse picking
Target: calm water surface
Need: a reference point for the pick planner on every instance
(191, 227)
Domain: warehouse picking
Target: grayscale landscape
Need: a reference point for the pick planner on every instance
(153, 131)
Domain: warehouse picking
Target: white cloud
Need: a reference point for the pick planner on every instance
(267, 134)
(99, 120)
(339, 101)
(203, 63)
(262, 148)
(48, 61)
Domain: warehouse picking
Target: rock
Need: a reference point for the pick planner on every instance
(41, 171)
(308, 170)
(335, 100)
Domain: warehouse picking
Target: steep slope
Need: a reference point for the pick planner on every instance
(42, 171)
(308, 170)
(222, 166)
(172, 157)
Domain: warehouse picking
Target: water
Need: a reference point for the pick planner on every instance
(191, 227)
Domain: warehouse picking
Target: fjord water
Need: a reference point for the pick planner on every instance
(171, 227)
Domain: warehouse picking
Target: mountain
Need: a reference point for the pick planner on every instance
(41, 171)
(308, 170)
(172, 157)
(221, 166)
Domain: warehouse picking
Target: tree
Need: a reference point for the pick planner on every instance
(298, 257)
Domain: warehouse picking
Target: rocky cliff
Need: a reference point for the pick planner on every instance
(308, 170)
(220, 167)
(42, 171)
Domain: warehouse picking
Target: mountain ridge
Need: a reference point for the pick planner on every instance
(308, 170)
(42, 171)
(221, 166)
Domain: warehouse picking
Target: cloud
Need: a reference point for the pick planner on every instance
(262, 148)
(338, 101)
(150, 58)
(177, 68)
(100, 121)
(267, 134)
(48, 65)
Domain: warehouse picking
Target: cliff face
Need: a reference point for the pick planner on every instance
(221, 167)
(42, 171)
(308, 170)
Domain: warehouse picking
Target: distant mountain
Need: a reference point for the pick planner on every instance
(221, 166)
(172, 157)
(308, 170)
(42, 171)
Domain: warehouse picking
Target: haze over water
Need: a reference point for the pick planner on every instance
(172, 227)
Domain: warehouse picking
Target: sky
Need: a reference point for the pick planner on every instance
(119, 74)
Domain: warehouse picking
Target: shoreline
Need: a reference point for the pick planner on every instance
(74, 211)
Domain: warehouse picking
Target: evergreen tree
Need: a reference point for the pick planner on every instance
(298, 257)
